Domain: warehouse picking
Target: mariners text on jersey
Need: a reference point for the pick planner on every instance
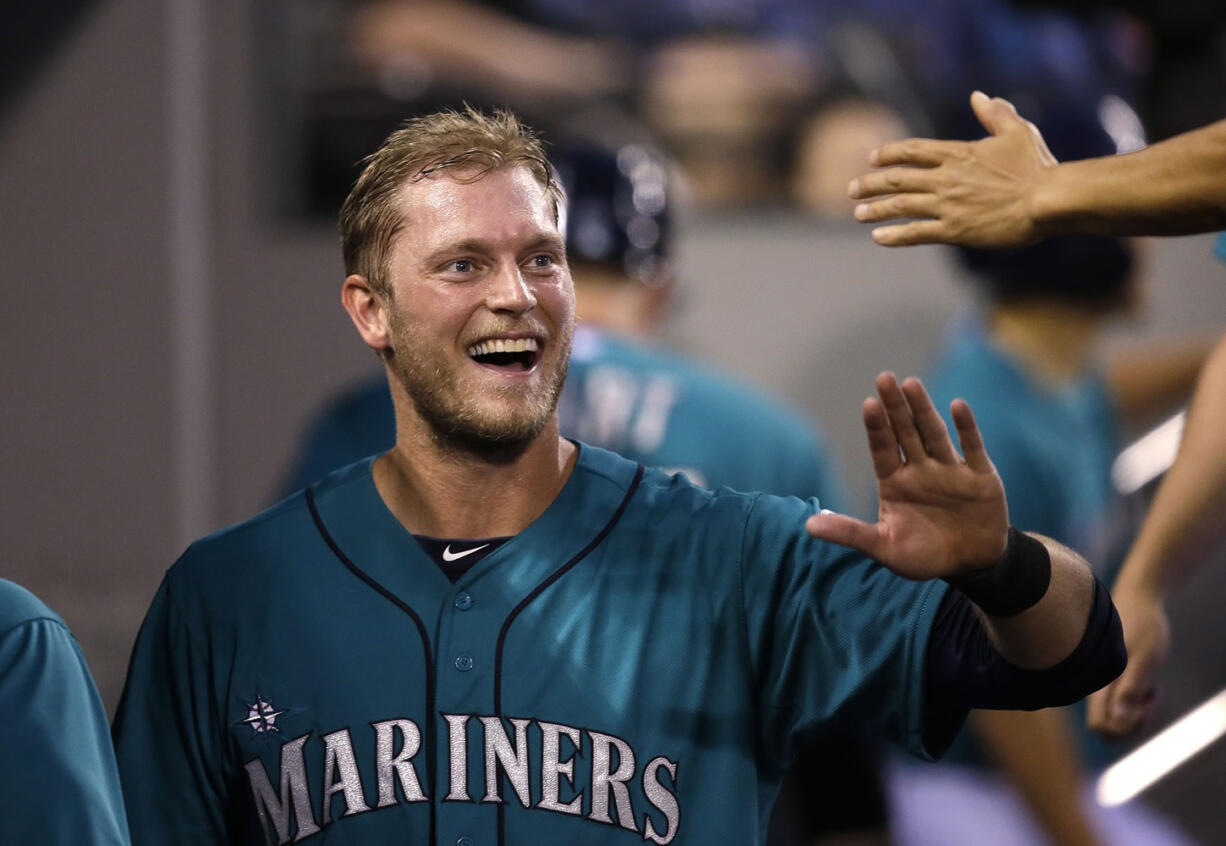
(639, 664)
(599, 791)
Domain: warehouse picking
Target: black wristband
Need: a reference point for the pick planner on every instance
(1014, 583)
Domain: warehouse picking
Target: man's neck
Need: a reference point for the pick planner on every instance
(1054, 340)
(447, 491)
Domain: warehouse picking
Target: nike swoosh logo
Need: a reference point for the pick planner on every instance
(448, 555)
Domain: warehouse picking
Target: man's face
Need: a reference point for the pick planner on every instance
(483, 307)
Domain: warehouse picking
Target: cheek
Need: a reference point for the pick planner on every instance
(433, 313)
(559, 302)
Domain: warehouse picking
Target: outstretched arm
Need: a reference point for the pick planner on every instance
(944, 516)
(1007, 190)
(1183, 522)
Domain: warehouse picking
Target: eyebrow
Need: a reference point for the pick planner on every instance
(545, 240)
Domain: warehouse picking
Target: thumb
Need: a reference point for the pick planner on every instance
(846, 531)
(995, 113)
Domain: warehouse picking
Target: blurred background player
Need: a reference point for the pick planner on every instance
(1054, 416)
(59, 785)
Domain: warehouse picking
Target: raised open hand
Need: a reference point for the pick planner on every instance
(938, 514)
(975, 193)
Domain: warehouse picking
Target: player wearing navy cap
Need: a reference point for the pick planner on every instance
(633, 658)
(59, 785)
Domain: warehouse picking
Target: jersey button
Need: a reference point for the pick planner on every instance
(463, 600)
(464, 662)
(463, 840)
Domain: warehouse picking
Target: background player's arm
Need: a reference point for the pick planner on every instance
(1153, 381)
(1008, 190)
(1037, 751)
(59, 785)
(1183, 522)
(941, 515)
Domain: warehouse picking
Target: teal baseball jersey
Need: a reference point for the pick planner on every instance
(637, 400)
(639, 664)
(59, 785)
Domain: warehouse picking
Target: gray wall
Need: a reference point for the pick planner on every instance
(162, 338)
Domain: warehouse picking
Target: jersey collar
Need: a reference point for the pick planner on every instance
(367, 533)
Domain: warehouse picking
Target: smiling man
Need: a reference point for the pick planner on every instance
(599, 653)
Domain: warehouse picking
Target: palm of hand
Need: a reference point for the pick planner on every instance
(937, 519)
(938, 514)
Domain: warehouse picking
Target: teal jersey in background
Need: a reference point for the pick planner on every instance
(639, 664)
(1054, 448)
(662, 410)
(58, 785)
(637, 400)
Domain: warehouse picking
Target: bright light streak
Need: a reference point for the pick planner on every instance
(1148, 457)
(1163, 752)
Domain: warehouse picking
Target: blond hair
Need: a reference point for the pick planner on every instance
(469, 140)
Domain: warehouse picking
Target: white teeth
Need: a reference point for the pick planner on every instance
(504, 345)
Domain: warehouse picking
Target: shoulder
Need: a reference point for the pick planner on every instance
(19, 606)
(253, 551)
(730, 519)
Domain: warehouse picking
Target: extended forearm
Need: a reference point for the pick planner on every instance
(1176, 187)
(1185, 516)
(1151, 382)
(1046, 633)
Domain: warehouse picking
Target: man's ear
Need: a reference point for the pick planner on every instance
(368, 311)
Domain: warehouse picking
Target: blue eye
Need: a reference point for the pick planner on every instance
(461, 266)
(543, 260)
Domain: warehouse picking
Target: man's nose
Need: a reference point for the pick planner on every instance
(509, 291)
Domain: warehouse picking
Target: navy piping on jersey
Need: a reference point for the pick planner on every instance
(431, 729)
(532, 595)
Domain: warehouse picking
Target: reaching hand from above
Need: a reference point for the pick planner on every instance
(975, 193)
(938, 514)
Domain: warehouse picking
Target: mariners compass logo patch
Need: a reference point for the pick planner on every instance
(261, 713)
(262, 716)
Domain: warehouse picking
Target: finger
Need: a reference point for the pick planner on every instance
(899, 205)
(1096, 710)
(1121, 708)
(920, 152)
(896, 180)
(995, 113)
(882, 446)
(845, 531)
(969, 439)
(902, 421)
(928, 422)
(910, 234)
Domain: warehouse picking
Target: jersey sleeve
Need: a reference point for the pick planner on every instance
(835, 639)
(166, 738)
(61, 786)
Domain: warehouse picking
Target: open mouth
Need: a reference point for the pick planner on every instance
(512, 354)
